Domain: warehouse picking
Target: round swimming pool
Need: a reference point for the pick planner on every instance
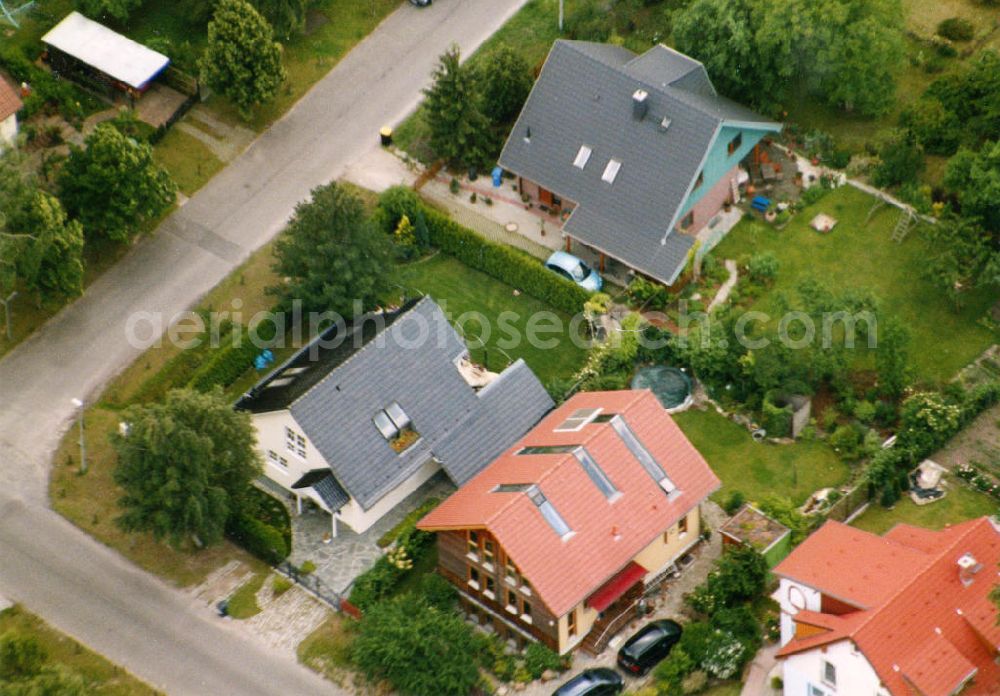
(671, 385)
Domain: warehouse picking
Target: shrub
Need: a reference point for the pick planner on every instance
(956, 29)
(395, 203)
(739, 576)
(505, 264)
(229, 363)
(864, 411)
(538, 658)
(419, 649)
(695, 641)
(740, 622)
(694, 683)
(647, 295)
(307, 567)
(375, 584)
(280, 585)
(901, 159)
(763, 267)
(734, 502)
(813, 194)
(776, 419)
(408, 523)
(726, 655)
(846, 441)
(259, 538)
(438, 592)
(671, 672)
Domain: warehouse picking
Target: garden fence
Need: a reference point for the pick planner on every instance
(853, 501)
(314, 586)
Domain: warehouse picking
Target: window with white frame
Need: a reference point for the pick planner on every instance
(829, 673)
(277, 460)
(295, 443)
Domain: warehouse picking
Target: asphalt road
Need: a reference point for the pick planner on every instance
(75, 583)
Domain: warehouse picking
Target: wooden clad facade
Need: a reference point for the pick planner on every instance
(491, 588)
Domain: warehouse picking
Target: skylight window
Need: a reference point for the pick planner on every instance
(611, 171)
(549, 512)
(281, 382)
(578, 419)
(582, 156)
(596, 473)
(640, 452)
(398, 416)
(385, 425)
(548, 449)
(512, 487)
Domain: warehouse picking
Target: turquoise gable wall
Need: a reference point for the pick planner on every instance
(720, 161)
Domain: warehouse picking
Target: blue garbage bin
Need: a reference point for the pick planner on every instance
(497, 176)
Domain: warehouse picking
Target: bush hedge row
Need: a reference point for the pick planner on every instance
(230, 363)
(507, 265)
(259, 538)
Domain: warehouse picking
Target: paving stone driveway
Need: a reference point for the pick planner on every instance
(338, 561)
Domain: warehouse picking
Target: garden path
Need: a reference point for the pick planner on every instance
(727, 287)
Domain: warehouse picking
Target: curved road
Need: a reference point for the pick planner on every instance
(77, 584)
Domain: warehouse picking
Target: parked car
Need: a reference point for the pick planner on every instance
(572, 268)
(420, 3)
(593, 682)
(648, 646)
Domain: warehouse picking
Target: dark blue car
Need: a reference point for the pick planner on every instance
(593, 682)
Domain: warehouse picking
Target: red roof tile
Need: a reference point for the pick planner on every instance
(606, 534)
(926, 630)
(10, 102)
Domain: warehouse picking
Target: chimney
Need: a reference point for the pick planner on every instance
(967, 568)
(640, 104)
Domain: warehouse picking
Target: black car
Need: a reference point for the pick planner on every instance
(651, 644)
(420, 3)
(593, 682)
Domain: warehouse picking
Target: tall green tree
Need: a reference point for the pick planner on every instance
(975, 178)
(458, 127)
(185, 466)
(332, 256)
(420, 649)
(505, 81)
(287, 17)
(722, 35)
(53, 263)
(102, 9)
(17, 190)
(892, 357)
(764, 52)
(242, 59)
(112, 185)
(962, 257)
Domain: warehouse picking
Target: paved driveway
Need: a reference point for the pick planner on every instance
(60, 573)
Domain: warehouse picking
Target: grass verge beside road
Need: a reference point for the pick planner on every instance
(757, 469)
(100, 677)
(855, 255)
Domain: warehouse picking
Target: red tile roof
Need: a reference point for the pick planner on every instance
(10, 102)
(606, 534)
(922, 629)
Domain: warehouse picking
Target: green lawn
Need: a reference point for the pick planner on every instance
(960, 504)
(243, 602)
(460, 289)
(188, 160)
(101, 678)
(859, 256)
(756, 469)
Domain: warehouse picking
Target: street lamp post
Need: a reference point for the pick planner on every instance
(83, 445)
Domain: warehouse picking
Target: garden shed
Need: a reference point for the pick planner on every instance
(751, 527)
(100, 58)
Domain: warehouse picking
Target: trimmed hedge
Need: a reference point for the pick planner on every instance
(504, 263)
(228, 364)
(261, 539)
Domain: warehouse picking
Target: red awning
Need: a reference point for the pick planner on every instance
(617, 586)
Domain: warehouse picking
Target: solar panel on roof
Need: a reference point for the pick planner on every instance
(578, 419)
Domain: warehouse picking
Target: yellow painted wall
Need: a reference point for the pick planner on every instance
(653, 558)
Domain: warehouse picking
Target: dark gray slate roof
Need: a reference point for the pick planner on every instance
(322, 481)
(583, 96)
(413, 362)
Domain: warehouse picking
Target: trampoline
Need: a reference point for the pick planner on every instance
(671, 386)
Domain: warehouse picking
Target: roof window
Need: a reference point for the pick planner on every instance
(582, 156)
(611, 171)
(549, 512)
(640, 452)
(578, 419)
